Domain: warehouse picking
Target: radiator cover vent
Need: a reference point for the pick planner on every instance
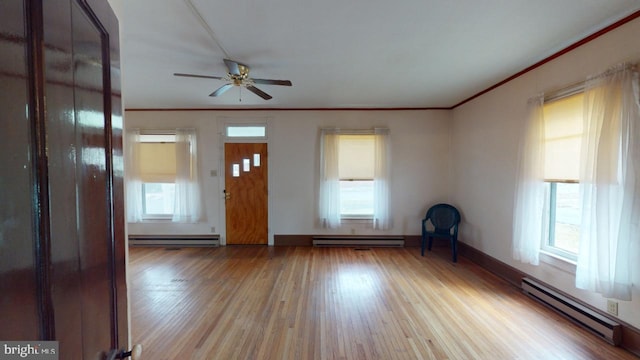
(357, 241)
(599, 324)
(175, 240)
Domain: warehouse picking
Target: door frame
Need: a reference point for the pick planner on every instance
(223, 122)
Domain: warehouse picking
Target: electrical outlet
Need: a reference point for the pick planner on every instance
(353, 231)
(213, 229)
(612, 307)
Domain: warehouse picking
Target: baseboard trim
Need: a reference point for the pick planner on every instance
(630, 334)
(494, 266)
(292, 240)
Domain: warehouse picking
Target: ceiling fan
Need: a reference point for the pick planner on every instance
(238, 75)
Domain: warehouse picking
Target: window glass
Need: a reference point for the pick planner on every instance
(158, 198)
(356, 198)
(247, 131)
(565, 219)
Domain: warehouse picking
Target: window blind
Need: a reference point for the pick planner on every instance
(356, 157)
(157, 162)
(563, 136)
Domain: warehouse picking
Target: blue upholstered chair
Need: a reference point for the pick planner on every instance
(444, 219)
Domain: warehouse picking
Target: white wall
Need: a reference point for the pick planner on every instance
(485, 146)
(420, 151)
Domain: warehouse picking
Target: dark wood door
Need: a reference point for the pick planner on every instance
(246, 193)
(63, 268)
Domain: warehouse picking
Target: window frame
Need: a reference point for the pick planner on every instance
(356, 217)
(547, 245)
(151, 216)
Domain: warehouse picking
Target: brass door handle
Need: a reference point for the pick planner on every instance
(134, 354)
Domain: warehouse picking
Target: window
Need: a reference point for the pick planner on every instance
(162, 176)
(354, 177)
(603, 127)
(563, 135)
(355, 172)
(157, 166)
(246, 131)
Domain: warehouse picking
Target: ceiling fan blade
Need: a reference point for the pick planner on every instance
(272, 82)
(233, 66)
(221, 90)
(259, 92)
(198, 76)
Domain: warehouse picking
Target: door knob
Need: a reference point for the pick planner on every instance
(227, 195)
(134, 354)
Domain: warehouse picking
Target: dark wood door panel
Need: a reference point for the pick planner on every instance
(94, 215)
(62, 261)
(62, 151)
(18, 287)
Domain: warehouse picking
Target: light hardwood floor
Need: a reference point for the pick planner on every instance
(339, 303)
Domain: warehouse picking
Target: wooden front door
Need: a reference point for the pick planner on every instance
(246, 193)
(62, 264)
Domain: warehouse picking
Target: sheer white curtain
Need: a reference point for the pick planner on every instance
(610, 184)
(381, 176)
(329, 197)
(188, 204)
(529, 206)
(133, 180)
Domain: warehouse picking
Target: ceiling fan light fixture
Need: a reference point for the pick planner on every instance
(238, 75)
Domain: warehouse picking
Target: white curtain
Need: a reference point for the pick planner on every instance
(529, 206)
(188, 204)
(381, 175)
(133, 180)
(610, 184)
(329, 197)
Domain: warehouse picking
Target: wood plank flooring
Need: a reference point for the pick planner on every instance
(339, 303)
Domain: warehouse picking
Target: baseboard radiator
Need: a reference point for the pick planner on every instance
(357, 241)
(175, 240)
(596, 323)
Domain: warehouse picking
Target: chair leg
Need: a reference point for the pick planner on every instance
(454, 249)
(430, 242)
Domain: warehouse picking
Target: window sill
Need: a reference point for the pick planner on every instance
(157, 219)
(355, 219)
(559, 262)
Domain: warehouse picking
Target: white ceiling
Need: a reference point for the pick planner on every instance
(344, 53)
